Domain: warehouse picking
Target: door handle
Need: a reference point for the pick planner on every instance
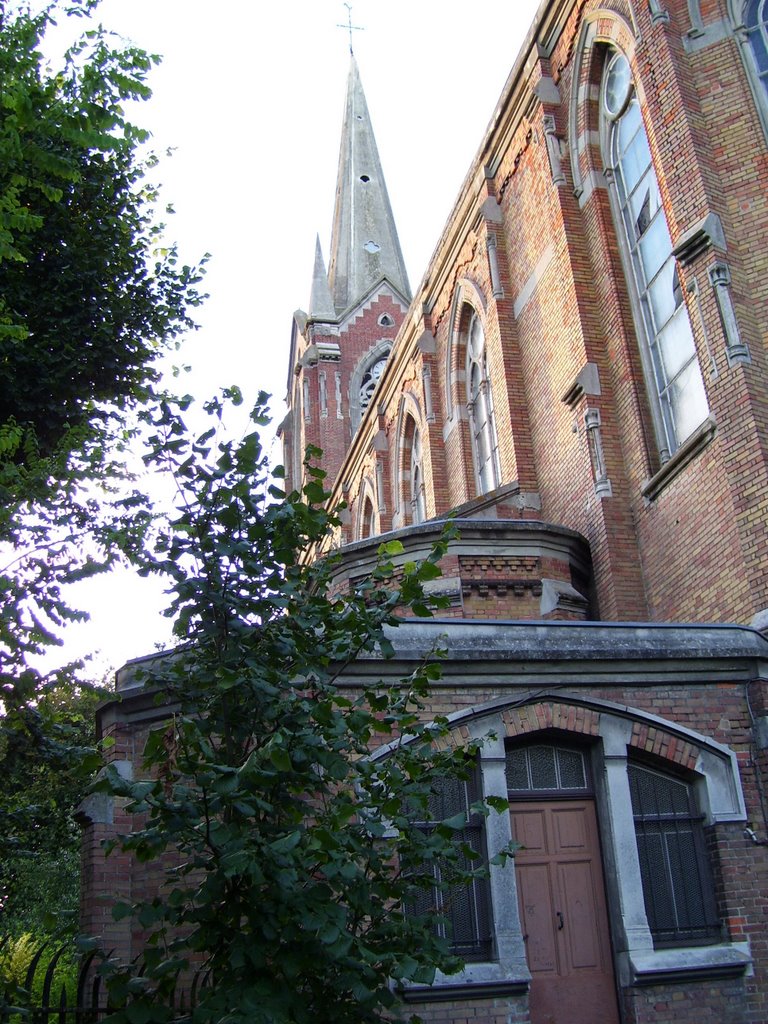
(560, 922)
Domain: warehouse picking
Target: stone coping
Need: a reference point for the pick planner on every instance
(484, 639)
(522, 652)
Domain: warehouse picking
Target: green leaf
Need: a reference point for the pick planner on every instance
(498, 804)
(386, 648)
(121, 910)
(429, 571)
(456, 821)
(286, 843)
(391, 548)
(280, 758)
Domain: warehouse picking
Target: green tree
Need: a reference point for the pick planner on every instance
(296, 854)
(47, 754)
(88, 296)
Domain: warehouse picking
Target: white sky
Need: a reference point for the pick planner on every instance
(251, 95)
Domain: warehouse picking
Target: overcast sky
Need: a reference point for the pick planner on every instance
(250, 96)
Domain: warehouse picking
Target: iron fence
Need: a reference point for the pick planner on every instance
(63, 988)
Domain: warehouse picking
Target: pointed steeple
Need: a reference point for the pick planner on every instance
(364, 244)
(320, 301)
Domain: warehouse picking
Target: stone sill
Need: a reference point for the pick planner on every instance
(651, 967)
(491, 980)
(667, 966)
(463, 990)
(688, 451)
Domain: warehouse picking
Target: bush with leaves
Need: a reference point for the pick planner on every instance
(296, 853)
(35, 970)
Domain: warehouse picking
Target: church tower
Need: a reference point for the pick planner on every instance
(340, 346)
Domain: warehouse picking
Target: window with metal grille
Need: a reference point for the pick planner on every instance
(543, 768)
(464, 910)
(677, 883)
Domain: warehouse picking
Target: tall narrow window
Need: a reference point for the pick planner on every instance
(756, 22)
(465, 910)
(367, 520)
(418, 503)
(672, 369)
(677, 886)
(480, 404)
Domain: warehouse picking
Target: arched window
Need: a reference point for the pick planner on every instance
(365, 378)
(418, 500)
(675, 384)
(756, 23)
(367, 519)
(485, 450)
(369, 382)
(408, 477)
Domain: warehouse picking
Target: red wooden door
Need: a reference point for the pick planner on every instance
(563, 914)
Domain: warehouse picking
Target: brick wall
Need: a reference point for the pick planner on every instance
(694, 550)
(715, 708)
(508, 1010)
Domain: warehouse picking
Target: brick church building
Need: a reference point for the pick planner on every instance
(581, 377)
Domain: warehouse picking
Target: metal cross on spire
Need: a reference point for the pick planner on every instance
(350, 27)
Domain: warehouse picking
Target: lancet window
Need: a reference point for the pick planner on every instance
(485, 449)
(675, 384)
(418, 502)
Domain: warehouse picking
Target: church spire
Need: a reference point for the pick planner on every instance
(364, 244)
(320, 301)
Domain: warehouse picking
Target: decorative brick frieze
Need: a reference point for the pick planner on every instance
(501, 586)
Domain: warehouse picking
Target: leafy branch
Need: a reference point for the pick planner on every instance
(295, 857)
